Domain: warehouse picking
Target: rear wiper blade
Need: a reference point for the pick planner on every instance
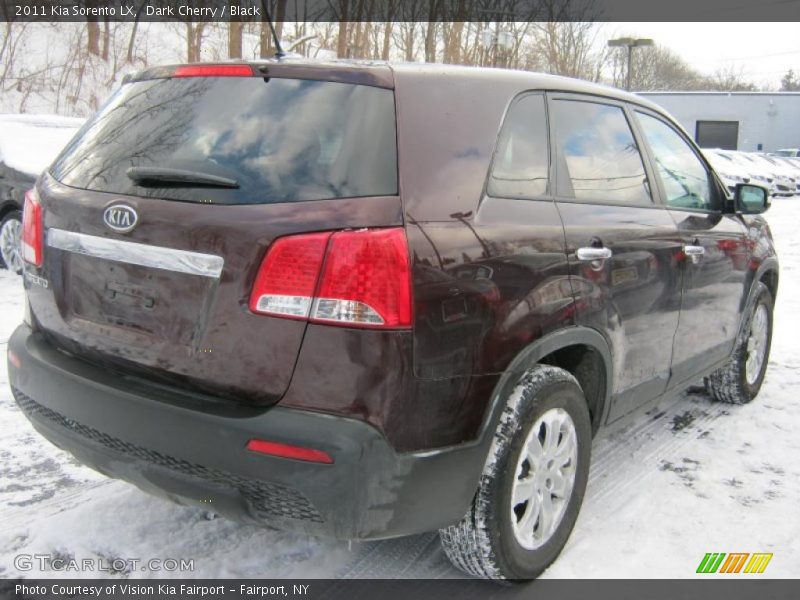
(166, 175)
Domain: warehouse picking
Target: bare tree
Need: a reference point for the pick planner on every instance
(568, 48)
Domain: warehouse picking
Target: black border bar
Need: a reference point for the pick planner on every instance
(710, 587)
(402, 10)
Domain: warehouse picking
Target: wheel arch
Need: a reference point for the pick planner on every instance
(767, 274)
(8, 207)
(582, 351)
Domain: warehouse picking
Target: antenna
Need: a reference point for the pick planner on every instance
(279, 53)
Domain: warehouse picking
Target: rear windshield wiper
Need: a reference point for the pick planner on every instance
(166, 175)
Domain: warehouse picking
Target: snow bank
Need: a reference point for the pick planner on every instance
(29, 143)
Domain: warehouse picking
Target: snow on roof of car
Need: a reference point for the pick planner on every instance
(29, 143)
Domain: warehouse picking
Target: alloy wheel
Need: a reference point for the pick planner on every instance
(757, 344)
(10, 240)
(545, 477)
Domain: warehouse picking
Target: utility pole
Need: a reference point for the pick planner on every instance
(630, 44)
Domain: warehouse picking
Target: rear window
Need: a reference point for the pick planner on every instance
(280, 140)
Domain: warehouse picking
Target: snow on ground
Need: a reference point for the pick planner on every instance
(44, 137)
(677, 480)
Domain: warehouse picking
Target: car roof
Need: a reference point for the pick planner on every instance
(374, 72)
(526, 80)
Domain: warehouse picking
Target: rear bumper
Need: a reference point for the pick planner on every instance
(195, 457)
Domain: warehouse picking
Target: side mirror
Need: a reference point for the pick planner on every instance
(750, 199)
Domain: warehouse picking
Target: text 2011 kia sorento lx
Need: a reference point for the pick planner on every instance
(374, 300)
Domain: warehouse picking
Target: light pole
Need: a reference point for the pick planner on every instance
(494, 40)
(629, 43)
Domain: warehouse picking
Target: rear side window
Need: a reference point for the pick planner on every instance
(598, 159)
(521, 161)
(280, 140)
(683, 176)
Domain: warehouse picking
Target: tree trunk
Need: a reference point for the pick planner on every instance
(93, 41)
(106, 38)
(341, 42)
(132, 40)
(235, 39)
(387, 40)
(430, 42)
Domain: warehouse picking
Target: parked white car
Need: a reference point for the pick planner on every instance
(737, 164)
(788, 152)
(730, 172)
(785, 179)
(794, 164)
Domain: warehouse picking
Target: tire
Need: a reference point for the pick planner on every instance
(488, 542)
(10, 226)
(734, 383)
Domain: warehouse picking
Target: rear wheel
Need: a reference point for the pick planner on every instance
(739, 381)
(10, 241)
(533, 482)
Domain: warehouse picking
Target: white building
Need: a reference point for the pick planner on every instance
(747, 121)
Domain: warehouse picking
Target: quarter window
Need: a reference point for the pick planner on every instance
(598, 159)
(683, 176)
(521, 162)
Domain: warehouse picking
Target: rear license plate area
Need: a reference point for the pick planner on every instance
(162, 305)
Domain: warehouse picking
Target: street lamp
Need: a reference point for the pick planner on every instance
(495, 40)
(629, 43)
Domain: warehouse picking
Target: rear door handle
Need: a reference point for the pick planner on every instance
(592, 253)
(694, 252)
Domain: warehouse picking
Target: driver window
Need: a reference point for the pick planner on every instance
(684, 177)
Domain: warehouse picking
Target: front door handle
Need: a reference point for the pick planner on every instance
(591, 253)
(694, 252)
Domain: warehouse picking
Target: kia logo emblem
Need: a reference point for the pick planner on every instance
(120, 217)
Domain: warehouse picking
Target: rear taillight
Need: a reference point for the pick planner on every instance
(213, 71)
(32, 229)
(364, 279)
(287, 278)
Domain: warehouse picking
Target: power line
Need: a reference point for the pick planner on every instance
(758, 56)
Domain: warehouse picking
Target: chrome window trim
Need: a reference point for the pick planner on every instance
(144, 255)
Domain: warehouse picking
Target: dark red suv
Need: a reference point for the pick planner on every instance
(374, 300)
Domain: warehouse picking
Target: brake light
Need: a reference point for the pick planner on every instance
(213, 71)
(364, 279)
(289, 451)
(32, 229)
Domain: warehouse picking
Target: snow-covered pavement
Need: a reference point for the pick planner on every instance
(678, 480)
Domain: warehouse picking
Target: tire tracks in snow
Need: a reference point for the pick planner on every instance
(15, 520)
(626, 455)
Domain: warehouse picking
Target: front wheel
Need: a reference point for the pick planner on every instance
(533, 482)
(10, 241)
(739, 381)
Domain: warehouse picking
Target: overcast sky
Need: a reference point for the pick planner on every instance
(763, 51)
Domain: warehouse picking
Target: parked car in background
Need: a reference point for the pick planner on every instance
(788, 152)
(729, 171)
(748, 168)
(794, 165)
(28, 144)
(364, 300)
(784, 176)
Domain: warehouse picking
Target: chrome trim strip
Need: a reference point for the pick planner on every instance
(145, 255)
